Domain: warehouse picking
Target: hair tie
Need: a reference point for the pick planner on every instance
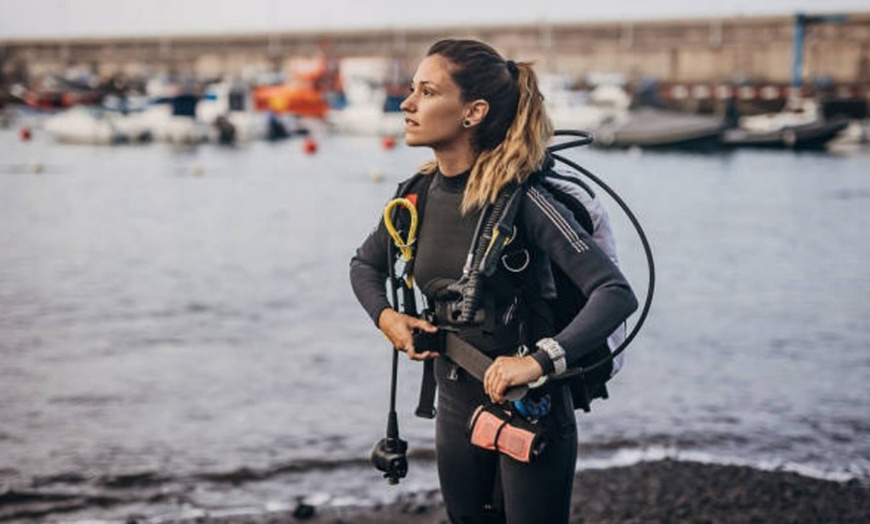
(512, 68)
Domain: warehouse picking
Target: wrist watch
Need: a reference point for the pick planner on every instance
(556, 352)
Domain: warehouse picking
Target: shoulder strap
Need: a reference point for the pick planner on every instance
(414, 189)
(571, 193)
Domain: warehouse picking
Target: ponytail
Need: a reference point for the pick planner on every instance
(521, 151)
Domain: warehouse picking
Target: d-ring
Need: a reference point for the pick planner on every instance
(523, 266)
(513, 235)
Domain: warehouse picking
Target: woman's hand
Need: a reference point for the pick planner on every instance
(509, 371)
(399, 329)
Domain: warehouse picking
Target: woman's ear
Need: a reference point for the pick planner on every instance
(476, 111)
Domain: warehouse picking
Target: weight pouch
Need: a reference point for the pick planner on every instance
(494, 428)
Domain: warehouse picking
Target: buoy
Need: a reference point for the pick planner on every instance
(25, 133)
(375, 175)
(389, 142)
(309, 146)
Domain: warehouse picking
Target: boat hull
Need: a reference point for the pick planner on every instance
(812, 136)
(660, 129)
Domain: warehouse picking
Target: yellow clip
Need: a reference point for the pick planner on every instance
(406, 244)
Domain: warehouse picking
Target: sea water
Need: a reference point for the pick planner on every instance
(178, 333)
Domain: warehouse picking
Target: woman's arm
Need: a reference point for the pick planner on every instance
(368, 272)
(368, 275)
(610, 299)
(552, 228)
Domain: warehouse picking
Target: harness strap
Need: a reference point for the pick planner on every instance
(503, 232)
(426, 402)
(476, 362)
(480, 260)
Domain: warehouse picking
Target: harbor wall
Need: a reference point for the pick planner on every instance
(714, 50)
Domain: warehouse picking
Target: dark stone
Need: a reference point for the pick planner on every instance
(303, 511)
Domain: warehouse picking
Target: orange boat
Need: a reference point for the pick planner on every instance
(293, 99)
(304, 95)
(57, 99)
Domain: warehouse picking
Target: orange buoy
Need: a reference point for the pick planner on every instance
(309, 146)
(389, 142)
(25, 134)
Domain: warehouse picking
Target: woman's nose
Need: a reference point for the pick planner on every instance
(406, 104)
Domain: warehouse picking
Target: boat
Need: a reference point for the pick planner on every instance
(97, 126)
(363, 113)
(583, 109)
(368, 109)
(809, 136)
(799, 126)
(855, 137)
(227, 106)
(172, 119)
(654, 128)
(300, 100)
(299, 95)
(55, 93)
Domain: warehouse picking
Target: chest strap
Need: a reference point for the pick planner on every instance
(474, 361)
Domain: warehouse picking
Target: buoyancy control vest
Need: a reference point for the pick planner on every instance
(589, 212)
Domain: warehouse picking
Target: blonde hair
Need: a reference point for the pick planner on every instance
(511, 141)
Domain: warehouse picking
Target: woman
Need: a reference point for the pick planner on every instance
(484, 119)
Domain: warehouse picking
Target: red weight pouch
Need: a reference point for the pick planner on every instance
(495, 428)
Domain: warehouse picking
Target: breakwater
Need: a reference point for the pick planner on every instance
(702, 50)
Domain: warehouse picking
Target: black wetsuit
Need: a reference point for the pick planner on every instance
(482, 486)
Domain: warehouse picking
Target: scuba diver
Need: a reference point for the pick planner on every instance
(483, 118)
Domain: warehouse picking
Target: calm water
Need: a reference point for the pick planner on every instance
(177, 330)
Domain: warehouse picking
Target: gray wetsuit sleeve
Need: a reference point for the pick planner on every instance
(610, 300)
(368, 272)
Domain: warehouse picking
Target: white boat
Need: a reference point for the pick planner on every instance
(855, 137)
(800, 126)
(585, 110)
(797, 112)
(231, 102)
(367, 120)
(174, 121)
(92, 125)
(363, 81)
(171, 115)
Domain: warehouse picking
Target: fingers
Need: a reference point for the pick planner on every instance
(495, 380)
(423, 355)
(399, 329)
(396, 327)
(419, 323)
(509, 371)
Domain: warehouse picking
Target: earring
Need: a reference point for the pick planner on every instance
(466, 123)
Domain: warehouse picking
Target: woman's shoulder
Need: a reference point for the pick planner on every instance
(414, 183)
(546, 201)
(536, 191)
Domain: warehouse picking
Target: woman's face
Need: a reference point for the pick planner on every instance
(434, 109)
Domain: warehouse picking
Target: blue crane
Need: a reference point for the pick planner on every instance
(801, 21)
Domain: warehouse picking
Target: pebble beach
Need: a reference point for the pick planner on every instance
(650, 492)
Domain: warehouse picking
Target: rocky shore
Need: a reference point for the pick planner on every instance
(651, 492)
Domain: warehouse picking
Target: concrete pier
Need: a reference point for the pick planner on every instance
(713, 50)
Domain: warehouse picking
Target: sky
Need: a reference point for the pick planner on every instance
(25, 19)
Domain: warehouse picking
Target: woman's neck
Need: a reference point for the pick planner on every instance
(455, 161)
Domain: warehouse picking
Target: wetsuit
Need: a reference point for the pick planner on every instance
(481, 486)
